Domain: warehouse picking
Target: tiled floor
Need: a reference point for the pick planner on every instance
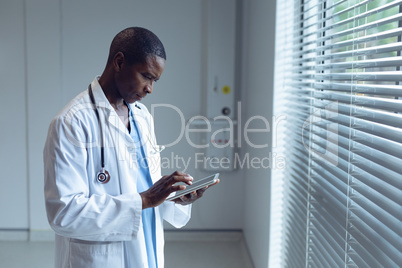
(218, 253)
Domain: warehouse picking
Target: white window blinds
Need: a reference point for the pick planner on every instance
(338, 202)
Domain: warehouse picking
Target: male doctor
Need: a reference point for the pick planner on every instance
(105, 196)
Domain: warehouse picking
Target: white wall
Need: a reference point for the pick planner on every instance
(52, 52)
(42, 93)
(257, 97)
(13, 133)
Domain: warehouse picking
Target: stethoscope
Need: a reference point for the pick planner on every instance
(103, 175)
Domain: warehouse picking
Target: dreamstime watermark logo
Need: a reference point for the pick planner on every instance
(320, 133)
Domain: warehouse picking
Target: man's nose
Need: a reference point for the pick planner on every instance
(149, 88)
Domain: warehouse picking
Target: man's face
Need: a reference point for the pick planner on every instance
(134, 82)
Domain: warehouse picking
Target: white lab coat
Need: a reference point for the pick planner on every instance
(99, 225)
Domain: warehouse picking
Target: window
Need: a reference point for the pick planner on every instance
(338, 201)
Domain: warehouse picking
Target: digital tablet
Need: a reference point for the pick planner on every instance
(197, 184)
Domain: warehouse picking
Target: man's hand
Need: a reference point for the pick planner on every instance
(191, 197)
(158, 192)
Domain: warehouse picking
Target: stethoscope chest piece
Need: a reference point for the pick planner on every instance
(103, 176)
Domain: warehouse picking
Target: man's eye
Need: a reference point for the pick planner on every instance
(150, 78)
(147, 77)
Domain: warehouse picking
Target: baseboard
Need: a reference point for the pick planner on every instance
(41, 235)
(203, 235)
(26, 235)
(183, 235)
(14, 235)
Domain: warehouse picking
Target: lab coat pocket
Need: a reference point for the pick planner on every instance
(87, 254)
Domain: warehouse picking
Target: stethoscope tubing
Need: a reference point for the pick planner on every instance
(91, 96)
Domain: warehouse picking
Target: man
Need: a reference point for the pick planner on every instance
(105, 196)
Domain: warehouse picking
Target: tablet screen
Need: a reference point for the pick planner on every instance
(197, 184)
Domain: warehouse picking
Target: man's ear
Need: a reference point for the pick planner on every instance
(118, 61)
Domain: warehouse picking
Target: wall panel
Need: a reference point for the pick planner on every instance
(13, 120)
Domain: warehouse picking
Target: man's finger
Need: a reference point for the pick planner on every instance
(181, 178)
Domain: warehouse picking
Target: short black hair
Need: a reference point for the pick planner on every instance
(136, 44)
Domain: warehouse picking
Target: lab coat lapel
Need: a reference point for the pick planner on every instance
(145, 125)
(103, 103)
(123, 143)
(143, 128)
